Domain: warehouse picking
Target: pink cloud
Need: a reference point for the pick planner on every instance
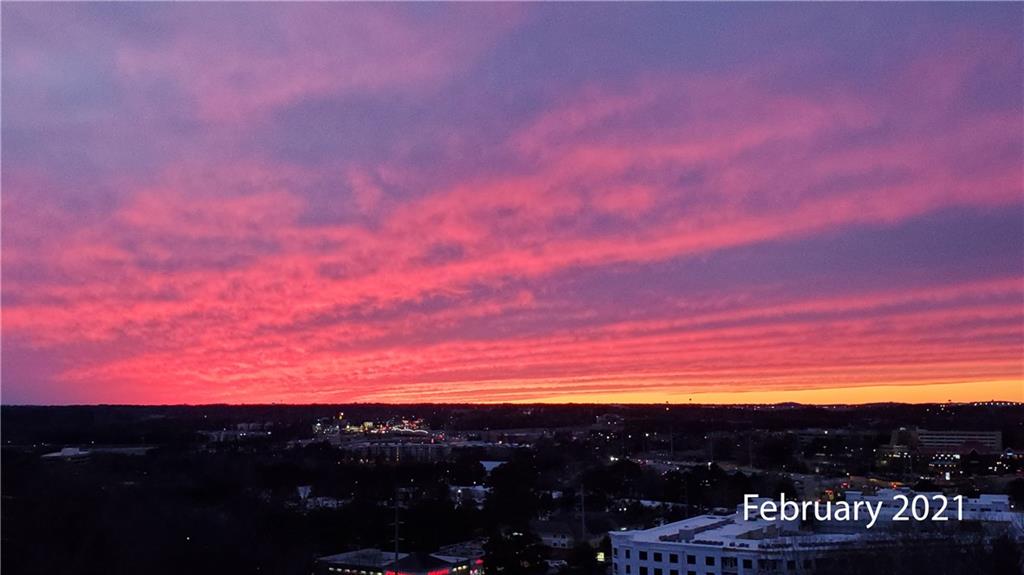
(218, 290)
(238, 67)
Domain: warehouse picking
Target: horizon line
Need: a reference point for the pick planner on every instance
(995, 402)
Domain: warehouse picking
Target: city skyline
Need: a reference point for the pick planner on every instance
(256, 203)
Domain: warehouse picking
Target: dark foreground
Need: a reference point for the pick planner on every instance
(268, 489)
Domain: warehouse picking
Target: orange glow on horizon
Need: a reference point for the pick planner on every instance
(968, 392)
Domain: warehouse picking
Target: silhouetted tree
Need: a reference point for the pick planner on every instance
(513, 553)
(582, 560)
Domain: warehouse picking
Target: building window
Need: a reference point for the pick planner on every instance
(615, 551)
(657, 571)
(628, 569)
(643, 570)
(673, 558)
(791, 565)
(691, 559)
(748, 564)
(643, 556)
(673, 572)
(627, 553)
(709, 561)
(808, 564)
(657, 556)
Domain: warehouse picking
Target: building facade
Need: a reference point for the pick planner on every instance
(730, 545)
(948, 441)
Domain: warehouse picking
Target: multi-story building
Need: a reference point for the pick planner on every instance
(732, 545)
(955, 441)
(397, 448)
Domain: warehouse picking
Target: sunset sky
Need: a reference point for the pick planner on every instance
(241, 203)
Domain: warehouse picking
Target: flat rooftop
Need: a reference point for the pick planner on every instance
(364, 558)
(730, 531)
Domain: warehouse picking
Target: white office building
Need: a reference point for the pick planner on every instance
(730, 545)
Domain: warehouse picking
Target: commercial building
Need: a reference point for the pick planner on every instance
(959, 442)
(731, 545)
(397, 448)
(563, 532)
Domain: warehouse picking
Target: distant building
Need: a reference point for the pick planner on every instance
(79, 453)
(986, 507)
(554, 534)
(377, 562)
(490, 466)
(68, 453)
(468, 495)
(471, 549)
(231, 435)
(608, 422)
(949, 442)
(564, 533)
(398, 448)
